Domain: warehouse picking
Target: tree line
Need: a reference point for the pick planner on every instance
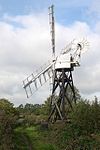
(83, 129)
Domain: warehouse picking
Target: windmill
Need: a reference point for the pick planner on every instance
(60, 71)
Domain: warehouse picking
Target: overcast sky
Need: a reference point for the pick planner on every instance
(25, 44)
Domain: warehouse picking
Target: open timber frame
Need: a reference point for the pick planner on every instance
(64, 81)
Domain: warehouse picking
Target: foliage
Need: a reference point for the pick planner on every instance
(34, 139)
(20, 128)
(84, 130)
(86, 117)
(8, 116)
(34, 114)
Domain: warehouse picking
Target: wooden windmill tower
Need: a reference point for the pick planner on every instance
(60, 70)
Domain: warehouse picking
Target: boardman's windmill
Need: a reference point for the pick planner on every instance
(60, 71)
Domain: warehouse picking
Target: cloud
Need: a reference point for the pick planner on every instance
(25, 46)
(87, 76)
(94, 10)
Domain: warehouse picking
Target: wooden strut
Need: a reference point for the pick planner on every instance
(64, 81)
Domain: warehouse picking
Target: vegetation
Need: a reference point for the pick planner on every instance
(21, 128)
(8, 116)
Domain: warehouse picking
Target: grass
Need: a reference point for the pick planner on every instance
(19, 142)
(36, 138)
(58, 137)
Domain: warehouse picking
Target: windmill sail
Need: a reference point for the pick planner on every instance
(32, 83)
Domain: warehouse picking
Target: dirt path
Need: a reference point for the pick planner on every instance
(27, 141)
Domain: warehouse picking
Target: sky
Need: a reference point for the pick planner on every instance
(25, 44)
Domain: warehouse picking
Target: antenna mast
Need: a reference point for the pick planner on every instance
(52, 29)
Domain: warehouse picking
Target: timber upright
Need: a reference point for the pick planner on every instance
(60, 71)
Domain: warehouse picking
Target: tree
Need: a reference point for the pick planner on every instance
(8, 117)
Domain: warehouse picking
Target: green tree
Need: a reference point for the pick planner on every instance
(8, 117)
